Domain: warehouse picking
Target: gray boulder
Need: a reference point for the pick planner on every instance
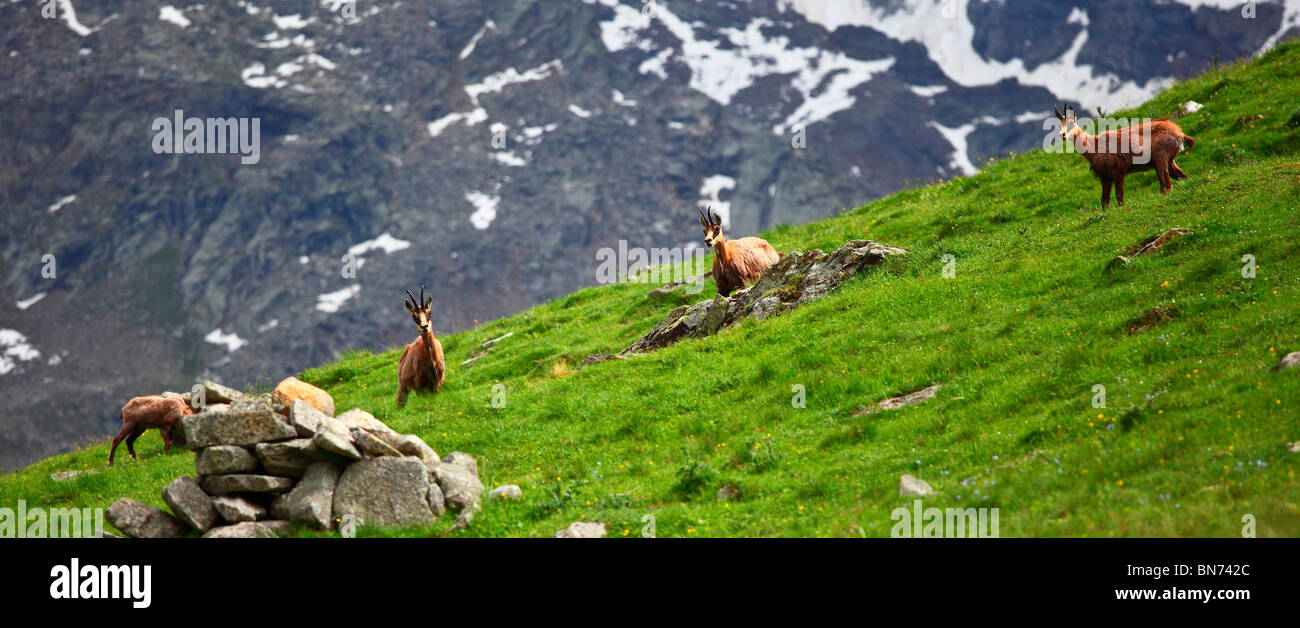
(463, 459)
(332, 437)
(312, 500)
(372, 446)
(305, 418)
(437, 502)
(582, 530)
(214, 393)
(909, 486)
(384, 492)
(236, 509)
(244, 424)
(220, 459)
(288, 458)
(142, 521)
(412, 445)
(189, 503)
(1288, 361)
(460, 485)
(245, 483)
(251, 530)
(507, 492)
(358, 419)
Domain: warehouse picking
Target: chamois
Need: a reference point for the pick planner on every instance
(421, 366)
(1111, 155)
(143, 413)
(736, 261)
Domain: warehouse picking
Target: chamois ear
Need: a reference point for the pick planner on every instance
(410, 303)
(1070, 112)
(704, 222)
(1059, 115)
(424, 303)
(716, 220)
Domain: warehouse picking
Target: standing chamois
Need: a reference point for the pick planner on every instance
(736, 261)
(150, 411)
(1113, 155)
(421, 366)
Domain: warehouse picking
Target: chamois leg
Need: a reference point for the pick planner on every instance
(126, 431)
(1119, 190)
(130, 441)
(1175, 171)
(1162, 171)
(401, 396)
(167, 439)
(1105, 193)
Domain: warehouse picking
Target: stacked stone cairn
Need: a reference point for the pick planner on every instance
(264, 463)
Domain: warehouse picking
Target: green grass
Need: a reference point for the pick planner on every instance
(1193, 437)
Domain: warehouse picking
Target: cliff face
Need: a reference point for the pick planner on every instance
(486, 149)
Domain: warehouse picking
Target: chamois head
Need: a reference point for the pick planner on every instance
(1069, 122)
(420, 311)
(712, 226)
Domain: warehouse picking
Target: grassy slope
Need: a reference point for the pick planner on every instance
(1194, 435)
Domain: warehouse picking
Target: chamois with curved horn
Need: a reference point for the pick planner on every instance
(735, 261)
(421, 366)
(1115, 154)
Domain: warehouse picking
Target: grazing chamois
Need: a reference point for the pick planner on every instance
(149, 411)
(1115, 154)
(736, 261)
(421, 366)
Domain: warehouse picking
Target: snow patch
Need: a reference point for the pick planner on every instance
(960, 159)
(30, 301)
(473, 41)
(330, 302)
(498, 81)
(509, 158)
(385, 242)
(255, 76)
(619, 99)
(711, 189)
(928, 91)
(14, 348)
(720, 69)
(291, 22)
(61, 202)
(169, 13)
(69, 14)
(579, 111)
(231, 341)
(485, 209)
(950, 45)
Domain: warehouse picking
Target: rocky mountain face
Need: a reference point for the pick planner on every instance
(486, 149)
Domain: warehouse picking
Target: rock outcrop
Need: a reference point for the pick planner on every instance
(1147, 246)
(794, 280)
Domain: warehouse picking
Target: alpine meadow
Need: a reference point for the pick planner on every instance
(1084, 390)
